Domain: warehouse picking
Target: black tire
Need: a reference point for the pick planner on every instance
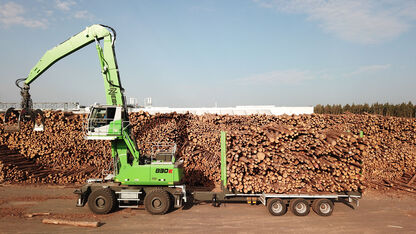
(102, 201)
(323, 207)
(157, 202)
(276, 207)
(300, 207)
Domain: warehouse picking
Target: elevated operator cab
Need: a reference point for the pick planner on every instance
(105, 122)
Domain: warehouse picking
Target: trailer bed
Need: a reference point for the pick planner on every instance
(321, 203)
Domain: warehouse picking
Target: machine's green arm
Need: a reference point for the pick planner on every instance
(114, 91)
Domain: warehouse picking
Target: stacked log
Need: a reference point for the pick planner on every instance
(342, 160)
(310, 153)
(60, 151)
(278, 158)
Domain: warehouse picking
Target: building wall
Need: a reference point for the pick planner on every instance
(238, 110)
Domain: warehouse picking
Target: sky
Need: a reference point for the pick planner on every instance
(218, 53)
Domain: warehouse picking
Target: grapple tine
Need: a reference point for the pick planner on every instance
(39, 121)
(9, 126)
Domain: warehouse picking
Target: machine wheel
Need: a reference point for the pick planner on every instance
(102, 201)
(300, 207)
(323, 207)
(157, 202)
(276, 207)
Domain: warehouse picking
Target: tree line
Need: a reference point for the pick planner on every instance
(386, 109)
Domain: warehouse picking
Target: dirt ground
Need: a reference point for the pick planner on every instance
(377, 213)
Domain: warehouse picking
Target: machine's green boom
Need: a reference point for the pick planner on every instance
(107, 58)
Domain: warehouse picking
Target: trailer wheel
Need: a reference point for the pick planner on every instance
(102, 201)
(300, 207)
(323, 207)
(157, 202)
(276, 207)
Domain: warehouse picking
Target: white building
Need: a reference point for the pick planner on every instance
(238, 110)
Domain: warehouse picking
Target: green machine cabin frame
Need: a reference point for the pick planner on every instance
(111, 122)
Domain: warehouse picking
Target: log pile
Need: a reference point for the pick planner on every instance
(57, 155)
(288, 153)
(310, 153)
(278, 158)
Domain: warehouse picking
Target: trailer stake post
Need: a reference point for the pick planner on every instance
(223, 160)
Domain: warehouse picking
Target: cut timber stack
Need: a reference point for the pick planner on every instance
(16, 166)
(288, 153)
(278, 158)
(311, 153)
(60, 148)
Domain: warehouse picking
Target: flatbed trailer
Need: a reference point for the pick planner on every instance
(277, 204)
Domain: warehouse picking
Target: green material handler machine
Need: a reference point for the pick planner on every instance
(154, 179)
